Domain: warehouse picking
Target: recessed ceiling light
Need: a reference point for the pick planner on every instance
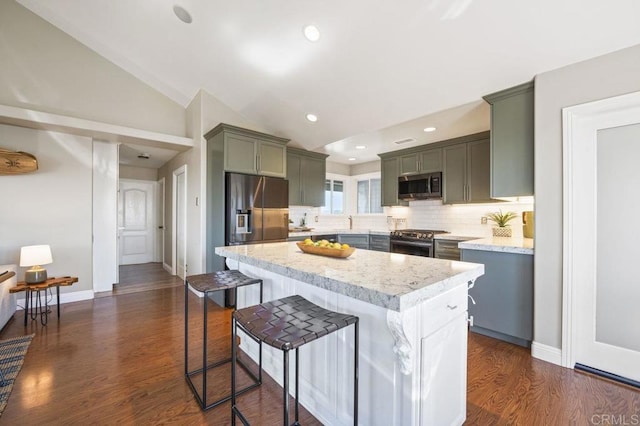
(429, 129)
(360, 147)
(182, 14)
(312, 118)
(352, 159)
(312, 33)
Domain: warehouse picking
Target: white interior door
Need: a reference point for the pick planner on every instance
(160, 222)
(179, 220)
(136, 221)
(602, 177)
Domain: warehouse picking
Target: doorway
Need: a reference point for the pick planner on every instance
(179, 243)
(137, 220)
(600, 316)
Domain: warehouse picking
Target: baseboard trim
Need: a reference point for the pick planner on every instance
(167, 268)
(546, 353)
(75, 296)
(196, 292)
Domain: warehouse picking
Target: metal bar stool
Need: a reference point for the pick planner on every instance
(288, 324)
(209, 283)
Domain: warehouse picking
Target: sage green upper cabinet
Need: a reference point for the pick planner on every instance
(466, 172)
(306, 173)
(455, 174)
(512, 141)
(421, 162)
(408, 164)
(431, 161)
(389, 172)
(251, 152)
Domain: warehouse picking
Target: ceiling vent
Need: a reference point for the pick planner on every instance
(403, 141)
(144, 156)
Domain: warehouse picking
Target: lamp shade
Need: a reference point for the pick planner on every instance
(35, 255)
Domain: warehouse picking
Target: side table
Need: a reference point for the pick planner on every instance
(36, 306)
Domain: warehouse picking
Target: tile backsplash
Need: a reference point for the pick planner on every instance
(459, 219)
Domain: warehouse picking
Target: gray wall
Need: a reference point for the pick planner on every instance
(599, 78)
(138, 173)
(203, 113)
(45, 69)
(51, 205)
(370, 167)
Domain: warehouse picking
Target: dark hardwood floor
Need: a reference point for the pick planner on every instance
(119, 360)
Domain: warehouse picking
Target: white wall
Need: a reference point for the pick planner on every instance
(105, 215)
(462, 219)
(50, 206)
(599, 78)
(138, 173)
(45, 69)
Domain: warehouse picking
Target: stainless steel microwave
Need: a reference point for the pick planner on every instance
(420, 187)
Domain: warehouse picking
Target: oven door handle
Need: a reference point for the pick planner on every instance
(411, 243)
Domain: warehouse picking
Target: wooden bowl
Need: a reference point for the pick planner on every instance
(324, 251)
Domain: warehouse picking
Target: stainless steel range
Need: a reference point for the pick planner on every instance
(418, 242)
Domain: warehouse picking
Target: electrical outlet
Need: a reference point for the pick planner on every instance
(483, 220)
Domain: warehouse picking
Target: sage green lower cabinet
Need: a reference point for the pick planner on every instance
(503, 296)
(466, 172)
(379, 242)
(306, 173)
(355, 240)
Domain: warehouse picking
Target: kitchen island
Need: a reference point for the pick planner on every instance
(413, 332)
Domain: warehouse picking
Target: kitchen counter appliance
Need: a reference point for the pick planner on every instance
(257, 211)
(420, 187)
(417, 242)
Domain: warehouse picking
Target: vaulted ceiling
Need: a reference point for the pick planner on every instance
(381, 70)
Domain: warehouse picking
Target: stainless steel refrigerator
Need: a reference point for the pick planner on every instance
(257, 209)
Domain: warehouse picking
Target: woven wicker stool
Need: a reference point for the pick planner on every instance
(209, 283)
(287, 324)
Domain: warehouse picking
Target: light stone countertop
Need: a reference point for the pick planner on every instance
(392, 281)
(500, 244)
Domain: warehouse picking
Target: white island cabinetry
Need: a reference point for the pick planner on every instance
(413, 333)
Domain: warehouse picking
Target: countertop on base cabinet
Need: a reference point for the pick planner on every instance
(412, 314)
(503, 296)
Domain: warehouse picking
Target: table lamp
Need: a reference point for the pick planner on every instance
(33, 257)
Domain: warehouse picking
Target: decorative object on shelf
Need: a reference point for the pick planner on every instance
(16, 162)
(527, 224)
(33, 257)
(502, 228)
(326, 251)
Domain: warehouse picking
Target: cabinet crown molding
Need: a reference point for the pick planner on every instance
(223, 127)
(507, 93)
(435, 145)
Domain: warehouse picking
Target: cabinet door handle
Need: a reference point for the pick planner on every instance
(452, 307)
